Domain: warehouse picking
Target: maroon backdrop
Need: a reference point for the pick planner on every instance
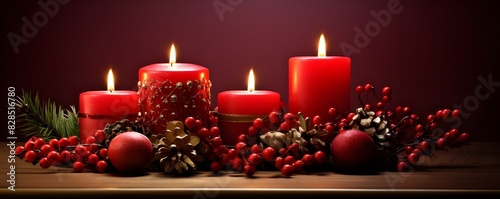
(431, 52)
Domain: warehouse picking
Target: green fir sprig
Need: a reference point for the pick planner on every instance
(45, 119)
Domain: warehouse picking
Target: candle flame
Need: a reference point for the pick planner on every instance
(322, 47)
(251, 81)
(172, 55)
(111, 81)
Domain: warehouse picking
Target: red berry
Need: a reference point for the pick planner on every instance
(190, 122)
(255, 149)
(298, 165)
(404, 167)
(380, 105)
(215, 167)
(287, 170)
(455, 113)
(294, 147)
(45, 162)
(241, 147)
(417, 151)
(426, 147)
(204, 132)
(282, 151)
(284, 126)
(232, 153)
(216, 142)
(252, 131)
(198, 124)
(242, 138)
(39, 142)
(279, 163)
(409, 149)
(220, 150)
(254, 159)
(319, 157)
(101, 166)
(53, 156)
(406, 110)
(331, 111)
(274, 117)
(398, 110)
(387, 91)
(258, 123)
(439, 114)
(100, 136)
(289, 118)
(367, 107)
(45, 149)
(73, 140)
(30, 156)
(464, 138)
(433, 126)
(386, 98)
(446, 113)
(19, 150)
(329, 129)
(359, 89)
(413, 158)
(289, 159)
(224, 159)
(349, 117)
(54, 143)
(64, 157)
(78, 166)
(93, 148)
(237, 163)
(269, 153)
(29, 145)
(80, 150)
(103, 153)
(92, 159)
(63, 143)
(368, 88)
(317, 120)
(419, 127)
(430, 118)
(307, 159)
(249, 170)
(215, 131)
(441, 143)
(453, 134)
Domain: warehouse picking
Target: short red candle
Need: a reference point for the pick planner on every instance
(318, 83)
(173, 91)
(238, 108)
(99, 108)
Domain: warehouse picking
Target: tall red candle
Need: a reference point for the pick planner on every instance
(173, 91)
(238, 108)
(99, 108)
(318, 83)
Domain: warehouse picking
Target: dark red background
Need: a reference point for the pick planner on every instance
(431, 53)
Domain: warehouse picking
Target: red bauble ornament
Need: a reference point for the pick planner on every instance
(353, 150)
(130, 152)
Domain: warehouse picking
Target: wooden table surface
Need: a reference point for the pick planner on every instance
(472, 170)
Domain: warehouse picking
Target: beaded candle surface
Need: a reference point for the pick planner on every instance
(173, 91)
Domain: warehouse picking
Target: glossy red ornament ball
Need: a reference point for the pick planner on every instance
(130, 152)
(353, 150)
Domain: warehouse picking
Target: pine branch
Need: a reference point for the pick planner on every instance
(45, 120)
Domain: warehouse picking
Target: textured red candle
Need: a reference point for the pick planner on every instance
(99, 108)
(317, 84)
(238, 108)
(173, 91)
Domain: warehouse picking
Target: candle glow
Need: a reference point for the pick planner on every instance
(111, 81)
(251, 81)
(172, 55)
(322, 46)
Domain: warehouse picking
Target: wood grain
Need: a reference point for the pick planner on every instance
(472, 170)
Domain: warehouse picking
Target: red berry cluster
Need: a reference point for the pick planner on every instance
(66, 152)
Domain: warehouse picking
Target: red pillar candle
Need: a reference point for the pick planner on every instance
(173, 91)
(99, 108)
(317, 84)
(237, 109)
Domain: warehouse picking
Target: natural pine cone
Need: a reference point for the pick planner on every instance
(112, 130)
(376, 126)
